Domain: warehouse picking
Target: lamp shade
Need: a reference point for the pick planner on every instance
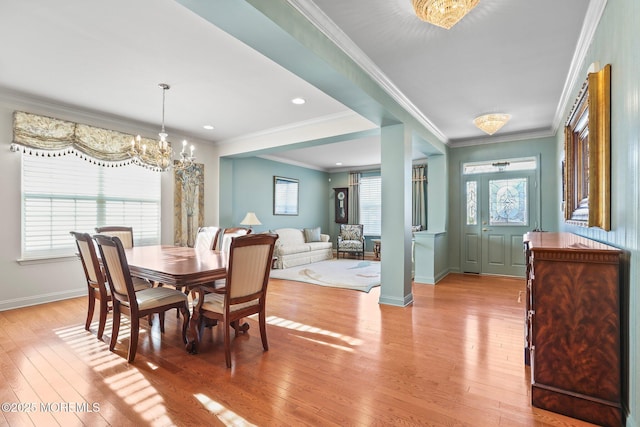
(250, 219)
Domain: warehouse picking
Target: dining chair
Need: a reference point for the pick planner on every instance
(245, 293)
(96, 281)
(96, 286)
(124, 233)
(135, 304)
(207, 238)
(227, 234)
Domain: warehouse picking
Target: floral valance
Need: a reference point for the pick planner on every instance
(47, 136)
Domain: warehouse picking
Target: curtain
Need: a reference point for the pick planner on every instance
(47, 136)
(419, 185)
(354, 197)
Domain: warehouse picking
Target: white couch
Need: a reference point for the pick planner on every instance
(293, 249)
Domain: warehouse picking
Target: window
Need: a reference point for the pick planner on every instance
(525, 164)
(66, 193)
(371, 204)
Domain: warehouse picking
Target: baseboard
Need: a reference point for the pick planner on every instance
(41, 299)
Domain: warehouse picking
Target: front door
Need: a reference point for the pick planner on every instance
(498, 209)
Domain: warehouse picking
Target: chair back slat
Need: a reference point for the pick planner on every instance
(115, 263)
(125, 234)
(250, 260)
(87, 254)
(249, 264)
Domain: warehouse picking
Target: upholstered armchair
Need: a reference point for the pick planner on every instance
(351, 239)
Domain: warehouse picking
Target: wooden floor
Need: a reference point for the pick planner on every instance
(337, 357)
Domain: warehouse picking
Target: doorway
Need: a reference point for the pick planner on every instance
(498, 208)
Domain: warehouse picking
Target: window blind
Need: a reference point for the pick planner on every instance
(371, 204)
(66, 193)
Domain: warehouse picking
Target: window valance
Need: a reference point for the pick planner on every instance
(48, 136)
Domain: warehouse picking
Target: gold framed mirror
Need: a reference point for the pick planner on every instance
(587, 151)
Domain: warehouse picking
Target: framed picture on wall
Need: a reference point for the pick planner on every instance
(342, 205)
(285, 196)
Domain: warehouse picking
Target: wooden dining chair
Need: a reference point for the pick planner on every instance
(135, 304)
(207, 238)
(96, 281)
(227, 234)
(124, 233)
(245, 293)
(96, 286)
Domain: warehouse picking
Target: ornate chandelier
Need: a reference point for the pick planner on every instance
(491, 123)
(145, 152)
(443, 13)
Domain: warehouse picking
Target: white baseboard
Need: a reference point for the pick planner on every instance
(41, 299)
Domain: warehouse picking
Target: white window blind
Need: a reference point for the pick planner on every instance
(371, 204)
(66, 193)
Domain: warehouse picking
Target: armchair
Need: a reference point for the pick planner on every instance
(351, 239)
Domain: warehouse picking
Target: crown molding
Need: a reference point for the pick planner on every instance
(326, 26)
(589, 27)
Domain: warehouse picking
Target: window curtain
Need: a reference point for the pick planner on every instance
(354, 197)
(419, 186)
(47, 136)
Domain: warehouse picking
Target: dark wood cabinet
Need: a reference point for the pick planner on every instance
(573, 335)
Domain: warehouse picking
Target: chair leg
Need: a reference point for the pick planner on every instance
(227, 343)
(133, 339)
(116, 326)
(263, 329)
(161, 318)
(185, 321)
(90, 309)
(104, 308)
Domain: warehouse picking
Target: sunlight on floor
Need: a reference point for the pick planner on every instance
(131, 385)
(289, 324)
(228, 417)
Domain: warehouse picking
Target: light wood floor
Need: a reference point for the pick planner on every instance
(337, 357)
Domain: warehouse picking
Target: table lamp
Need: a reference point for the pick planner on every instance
(250, 219)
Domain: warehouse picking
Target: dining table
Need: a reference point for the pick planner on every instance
(182, 267)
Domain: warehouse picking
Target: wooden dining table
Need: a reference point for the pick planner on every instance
(182, 267)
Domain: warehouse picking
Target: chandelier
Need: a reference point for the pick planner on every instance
(491, 123)
(443, 13)
(145, 152)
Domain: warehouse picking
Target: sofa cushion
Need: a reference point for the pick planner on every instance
(289, 236)
(293, 249)
(315, 246)
(312, 234)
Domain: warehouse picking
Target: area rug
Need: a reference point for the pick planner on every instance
(338, 273)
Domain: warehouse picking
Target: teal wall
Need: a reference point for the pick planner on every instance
(549, 189)
(252, 190)
(617, 42)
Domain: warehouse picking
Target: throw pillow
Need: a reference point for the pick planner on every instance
(312, 235)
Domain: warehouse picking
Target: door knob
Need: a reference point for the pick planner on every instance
(486, 229)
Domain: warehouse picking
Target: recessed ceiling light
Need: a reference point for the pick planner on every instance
(298, 101)
(338, 163)
(208, 127)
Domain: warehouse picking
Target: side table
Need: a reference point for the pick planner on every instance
(376, 247)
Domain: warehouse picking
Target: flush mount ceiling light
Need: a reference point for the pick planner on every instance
(298, 101)
(491, 123)
(443, 13)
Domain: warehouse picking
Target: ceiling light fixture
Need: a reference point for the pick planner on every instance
(298, 101)
(491, 123)
(209, 127)
(158, 158)
(443, 13)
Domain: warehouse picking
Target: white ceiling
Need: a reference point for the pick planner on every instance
(515, 56)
